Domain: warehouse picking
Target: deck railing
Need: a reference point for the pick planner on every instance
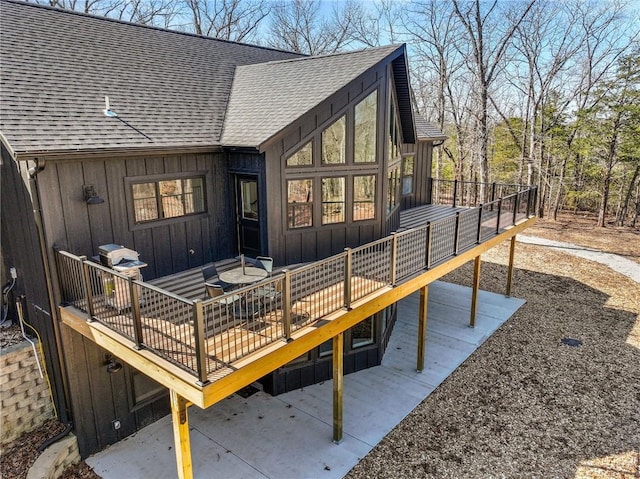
(205, 336)
(470, 194)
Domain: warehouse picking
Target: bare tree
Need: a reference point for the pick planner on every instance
(441, 84)
(300, 26)
(160, 13)
(489, 33)
(235, 20)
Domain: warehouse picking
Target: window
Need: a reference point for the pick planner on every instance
(325, 349)
(300, 203)
(333, 143)
(364, 197)
(407, 175)
(249, 193)
(393, 179)
(362, 333)
(333, 199)
(365, 130)
(302, 157)
(168, 199)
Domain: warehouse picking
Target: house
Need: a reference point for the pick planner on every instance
(191, 150)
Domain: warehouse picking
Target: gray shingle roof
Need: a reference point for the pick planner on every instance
(267, 97)
(58, 66)
(428, 131)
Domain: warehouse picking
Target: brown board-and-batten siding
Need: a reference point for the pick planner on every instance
(100, 398)
(422, 152)
(167, 246)
(291, 246)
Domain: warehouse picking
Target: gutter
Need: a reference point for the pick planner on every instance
(41, 155)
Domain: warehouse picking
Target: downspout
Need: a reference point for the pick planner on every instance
(37, 214)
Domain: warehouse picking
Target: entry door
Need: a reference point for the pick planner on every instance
(248, 215)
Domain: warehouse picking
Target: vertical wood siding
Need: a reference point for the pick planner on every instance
(167, 248)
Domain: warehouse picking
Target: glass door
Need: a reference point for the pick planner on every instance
(248, 215)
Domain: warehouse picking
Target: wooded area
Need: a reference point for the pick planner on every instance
(528, 91)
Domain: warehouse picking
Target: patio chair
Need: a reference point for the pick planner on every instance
(266, 263)
(210, 275)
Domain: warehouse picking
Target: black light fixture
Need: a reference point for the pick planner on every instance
(113, 366)
(90, 195)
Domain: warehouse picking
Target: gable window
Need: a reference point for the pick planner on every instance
(334, 150)
(303, 157)
(407, 174)
(333, 200)
(393, 179)
(365, 129)
(169, 198)
(364, 197)
(300, 203)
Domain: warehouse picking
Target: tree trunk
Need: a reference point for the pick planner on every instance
(627, 199)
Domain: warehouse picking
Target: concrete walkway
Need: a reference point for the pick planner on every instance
(289, 436)
(618, 263)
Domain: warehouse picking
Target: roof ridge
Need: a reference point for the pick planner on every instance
(140, 25)
(328, 55)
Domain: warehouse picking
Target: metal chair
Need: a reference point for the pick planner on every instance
(210, 275)
(266, 263)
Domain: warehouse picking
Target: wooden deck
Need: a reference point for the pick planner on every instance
(238, 351)
(421, 215)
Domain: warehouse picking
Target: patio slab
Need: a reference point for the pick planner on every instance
(289, 436)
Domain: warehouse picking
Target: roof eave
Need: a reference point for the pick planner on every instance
(63, 154)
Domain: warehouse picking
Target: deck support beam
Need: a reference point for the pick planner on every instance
(512, 250)
(476, 288)
(338, 371)
(182, 444)
(422, 326)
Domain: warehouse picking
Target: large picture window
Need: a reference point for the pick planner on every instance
(364, 197)
(169, 198)
(365, 129)
(334, 148)
(300, 203)
(333, 200)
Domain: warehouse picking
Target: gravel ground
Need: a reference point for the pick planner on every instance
(525, 405)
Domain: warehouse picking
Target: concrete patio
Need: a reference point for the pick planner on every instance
(289, 436)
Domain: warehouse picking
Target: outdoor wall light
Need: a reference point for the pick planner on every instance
(113, 366)
(90, 195)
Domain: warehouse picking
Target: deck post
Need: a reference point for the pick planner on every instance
(135, 311)
(456, 237)
(510, 270)
(474, 295)
(347, 278)
(338, 370)
(87, 285)
(394, 257)
(422, 326)
(499, 214)
(479, 235)
(181, 440)
(429, 242)
(516, 205)
(455, 191)
(286, 305)
(201, 349)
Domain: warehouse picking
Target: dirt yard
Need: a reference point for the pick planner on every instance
(526, 405)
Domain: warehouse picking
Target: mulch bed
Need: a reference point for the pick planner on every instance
(525, 404)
